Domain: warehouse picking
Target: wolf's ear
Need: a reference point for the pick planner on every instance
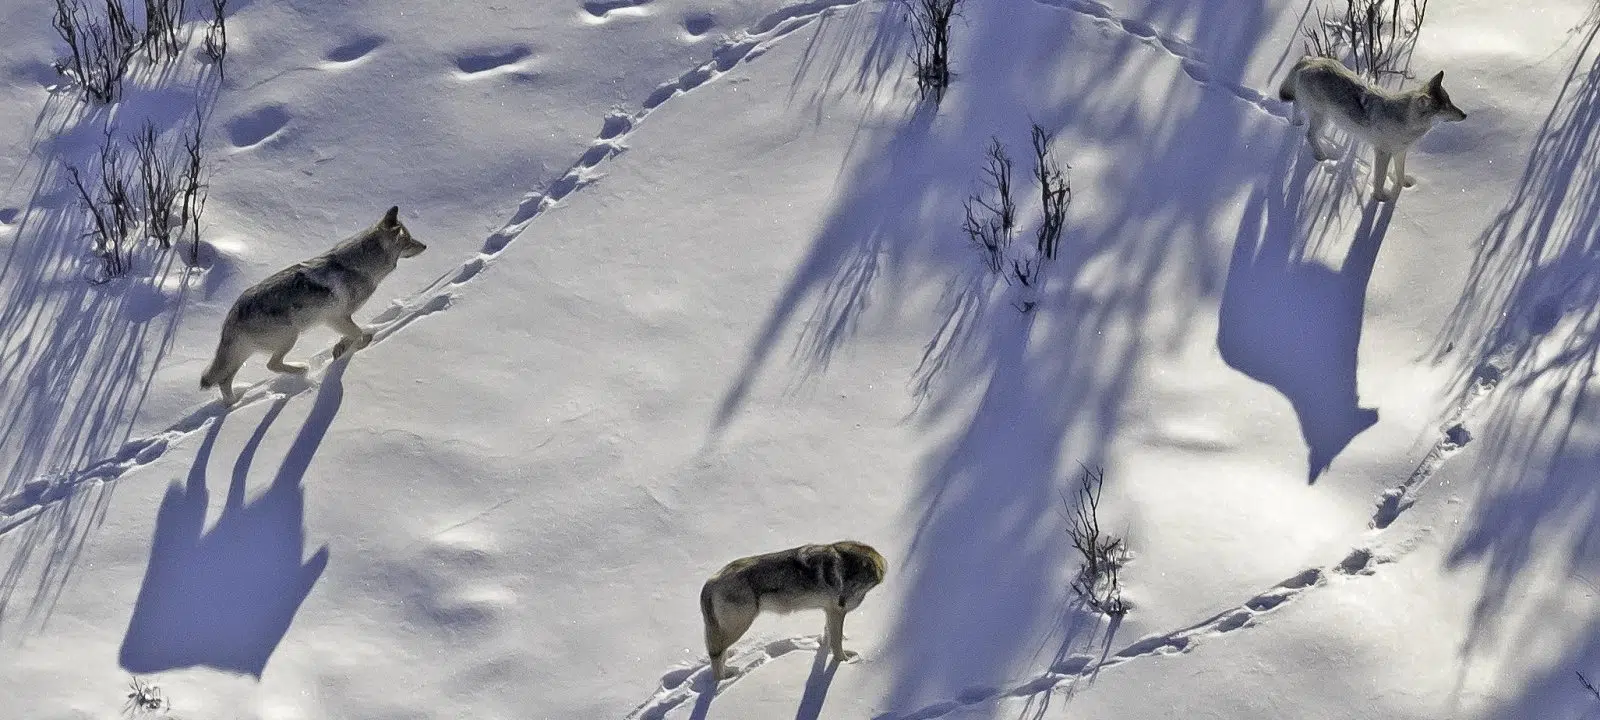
(1437, 81)
(391, 218)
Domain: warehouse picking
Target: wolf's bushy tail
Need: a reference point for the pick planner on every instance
(219, 363)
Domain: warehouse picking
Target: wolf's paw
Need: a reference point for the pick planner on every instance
(1388, 197)
(346, 345)
(1320, 154)
(849, 656)
(289, 368)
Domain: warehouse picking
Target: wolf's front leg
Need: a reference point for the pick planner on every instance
(836, 636)
(1380, 173)
(1316, 123)
(354, 337)
(1401, 179)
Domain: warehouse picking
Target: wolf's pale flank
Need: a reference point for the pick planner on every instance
(831, 578)
(1325, 90)
(325, 290)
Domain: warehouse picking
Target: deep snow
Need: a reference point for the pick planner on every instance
(696, 289)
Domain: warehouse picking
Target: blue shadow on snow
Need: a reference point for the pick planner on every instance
(223, 598)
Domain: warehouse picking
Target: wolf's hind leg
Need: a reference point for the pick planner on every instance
(282, 348)
(729, 623)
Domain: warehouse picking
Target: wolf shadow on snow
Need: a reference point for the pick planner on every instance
(223, 597)
(982, 588)
(1293, 322)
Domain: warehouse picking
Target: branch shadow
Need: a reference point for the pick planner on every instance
(1019, 398)
(78, 358)
(1557, 692)
(1292, 322)
(224, 597)
(1529, 320)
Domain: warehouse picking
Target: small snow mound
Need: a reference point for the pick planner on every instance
(462, 546)
(472, 606)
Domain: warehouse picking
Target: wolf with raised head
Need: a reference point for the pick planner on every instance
(832, 578)
(269, 316)
(1390, 121)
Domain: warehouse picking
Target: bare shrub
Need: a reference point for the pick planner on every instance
(991, 224)
(1055, 193)
(1097, 582)
(144, 697)
(100, 49)
(215, 44)
(991, 221)
(930, 57)
(191, 190)
(1589, 686)
(110, 209)
(162, 21)
(1374, 37)
(158, 185)
(121, 27)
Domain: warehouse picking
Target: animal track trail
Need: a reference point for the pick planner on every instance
(1452, 438)
(1071, 670)
(682, 684)
(1190, 58)
(618, 124)
(262, 124)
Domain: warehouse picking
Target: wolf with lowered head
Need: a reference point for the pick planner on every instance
(325, 290)
(1325, 90)
(832, 578)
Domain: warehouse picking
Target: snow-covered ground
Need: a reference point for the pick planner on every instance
(696, 289)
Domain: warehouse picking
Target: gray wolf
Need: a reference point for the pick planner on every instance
(832, 578)
(1390, 121)
(270, 315)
